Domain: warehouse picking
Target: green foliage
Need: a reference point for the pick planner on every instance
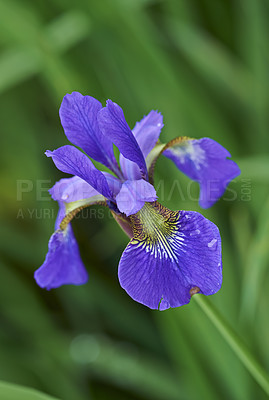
(13, 392)
(204, 65)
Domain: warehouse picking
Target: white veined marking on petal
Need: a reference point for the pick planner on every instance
(166, 246)
(210, 244)
(65, 196)
(196, 232)
(197, 155)
(192, 151)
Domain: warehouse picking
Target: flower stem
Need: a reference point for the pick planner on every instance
(234, 341)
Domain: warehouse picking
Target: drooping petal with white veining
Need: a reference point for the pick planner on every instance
(206, 162)
(171, 254)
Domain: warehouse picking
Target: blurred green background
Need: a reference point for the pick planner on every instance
(204, 65)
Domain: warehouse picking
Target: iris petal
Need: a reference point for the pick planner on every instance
(72, 161)
(170, 255)
(206, 162)
(114, 126)
(72, 189)
(133, 196)
(78, 116)
(63, 264)
(147, 133)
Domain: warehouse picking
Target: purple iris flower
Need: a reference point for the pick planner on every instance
(171, 254)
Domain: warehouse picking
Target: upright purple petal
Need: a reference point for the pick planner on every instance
(133, 195)
(206, 162)
(114, 183)
(147, 133)
(171, 255)
(113, 125)
(72, 161)
(63, 264)
(78, 116)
